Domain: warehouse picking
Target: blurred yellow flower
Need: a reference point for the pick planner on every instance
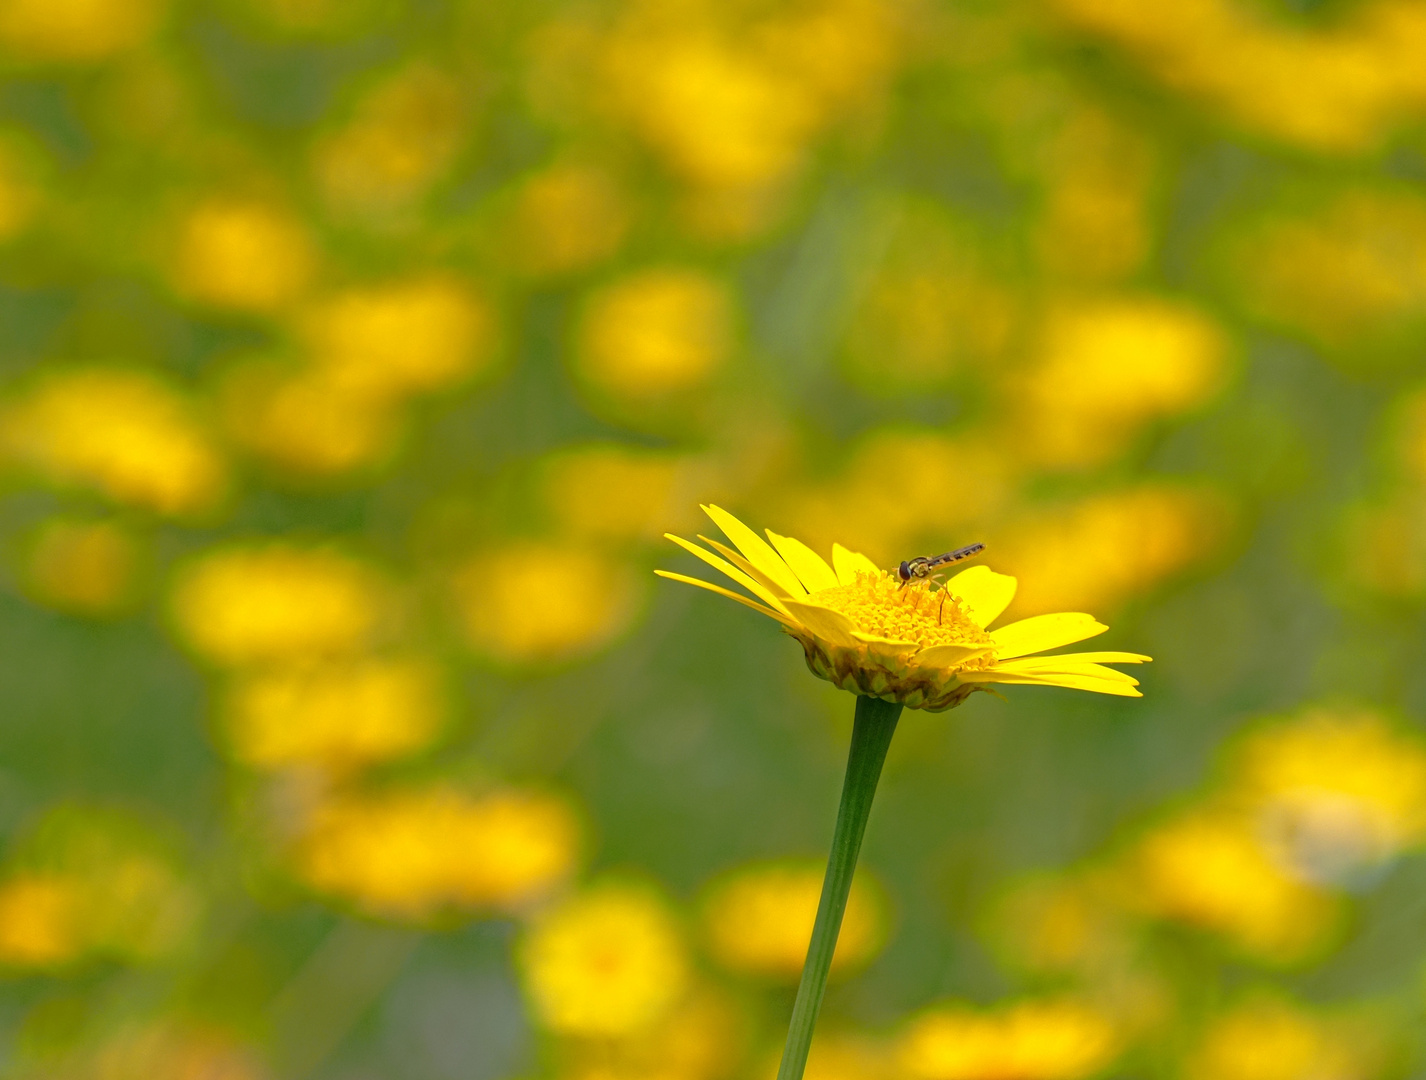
(837, 1056)
(21, 192)
(1030, 1040)
(76, 31)
(566, 218)
(275, 602)
(137, 907)
(843, 50)
(1212, 870)
(340, 715)
(866, 632)
(39, 922)
(540, 601)
(1109, 548)
(655, 333)
(1105, 370)
(83, 567)
(702, 1037)
(613, 492)
(861, 508)
(404, 135)
(1339, 89)
(1335, 791)
(719, 116)
(1077, 924)
(303, 423)
(1270, 1039)
(758, 920)
(734, 107)
(1095, 223)
(91, 882)
(1059, 923)
(1352, 268)
(609, 961)
(125, 433)
(931, 309)
(242, 255)
(413, 853)
(405, 337)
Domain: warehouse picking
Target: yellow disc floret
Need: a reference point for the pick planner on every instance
(893, 628)
(881, 607)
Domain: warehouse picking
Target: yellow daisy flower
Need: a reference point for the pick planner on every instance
(923, 647)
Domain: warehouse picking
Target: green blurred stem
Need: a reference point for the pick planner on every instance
(871, 735)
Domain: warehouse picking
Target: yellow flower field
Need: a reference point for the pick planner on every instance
(360, 355)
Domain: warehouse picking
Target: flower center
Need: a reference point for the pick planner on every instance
(878, 605)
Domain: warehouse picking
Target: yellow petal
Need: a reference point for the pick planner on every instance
(1058, 659)
(756, 549)
(831, 626)
(1035, 665)
(948, 656)
(757, 589)
(728, 593)
(736, 558)
(1094, 686)
(1045, 632)
(851, 563)
(885, 647)
(1072, 681)
(983, 593)
(810, 567)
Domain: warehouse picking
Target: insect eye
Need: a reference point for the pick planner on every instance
(904, 571)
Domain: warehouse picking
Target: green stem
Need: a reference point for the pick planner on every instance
(871, 735)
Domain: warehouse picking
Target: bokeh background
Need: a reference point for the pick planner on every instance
(355, 355)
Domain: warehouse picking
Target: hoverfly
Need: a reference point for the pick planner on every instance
(923, 566)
